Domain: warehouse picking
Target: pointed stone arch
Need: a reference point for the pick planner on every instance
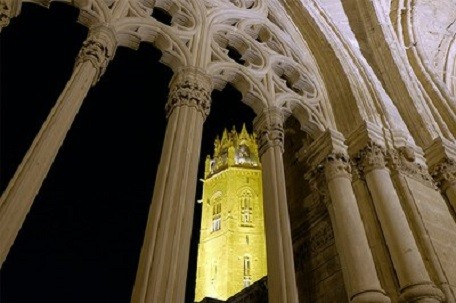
(248, 86)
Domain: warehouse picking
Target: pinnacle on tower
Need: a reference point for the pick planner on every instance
(234, 149)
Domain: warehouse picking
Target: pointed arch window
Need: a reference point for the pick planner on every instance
(246, 207)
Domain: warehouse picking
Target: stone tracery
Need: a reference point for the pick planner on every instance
(242, 42)
(99, 49)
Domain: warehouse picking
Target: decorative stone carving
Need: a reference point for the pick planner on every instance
(281, 69)
(5, 14)
(371, 157)
(444, 174)
(403, 160)
(190, 87)
(337, 166)
(8, 10)
(99, 49)
(269, 129)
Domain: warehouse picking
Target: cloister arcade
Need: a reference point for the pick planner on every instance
(353, 126)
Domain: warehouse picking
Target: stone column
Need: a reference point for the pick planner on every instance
(356, 257)
(444, 174)
(414, 281)
(281, 271)
(162, 270)
(18, 197)
(328, 154)
(402, 162)
(8, 10)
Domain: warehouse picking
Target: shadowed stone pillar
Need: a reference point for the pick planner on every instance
(162, 270)
(281, 271)
(8, 9)
(331, 176)
(414, 281)
(356, 257)
(18, 197)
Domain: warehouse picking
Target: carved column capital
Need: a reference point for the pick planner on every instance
(99, 48)
(192, 87)
(371, 157)
(403, 160)
(8, 10)
(269, 129)
(444, 174)
(337, 166)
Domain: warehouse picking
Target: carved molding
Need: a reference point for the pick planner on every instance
(400, 160)
(403, 160)
(439, 152)
(269, 129)
(99, 48)
(330, 142)
(444, 174)
(190, 87)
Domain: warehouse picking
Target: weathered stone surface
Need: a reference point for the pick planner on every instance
(377, 78)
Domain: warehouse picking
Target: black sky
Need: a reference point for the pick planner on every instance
(82, 238)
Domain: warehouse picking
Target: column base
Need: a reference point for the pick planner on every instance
(421, 293)
(370, 296)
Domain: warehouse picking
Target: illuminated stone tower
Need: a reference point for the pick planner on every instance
(232, 248)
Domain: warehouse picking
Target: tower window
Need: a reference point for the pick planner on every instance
(246, 207)
(216, 216)
(247, 267)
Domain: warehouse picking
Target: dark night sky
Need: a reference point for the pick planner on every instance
(82, 238)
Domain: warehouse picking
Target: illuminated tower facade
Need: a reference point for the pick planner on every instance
(232, 247)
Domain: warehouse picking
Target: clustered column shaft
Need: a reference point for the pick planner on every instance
(162, 269)
(356, 257)
(281, 273)
(18, 197)
(414, 280)
(402, 163)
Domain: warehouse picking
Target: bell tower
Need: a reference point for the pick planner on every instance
(232, 246)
